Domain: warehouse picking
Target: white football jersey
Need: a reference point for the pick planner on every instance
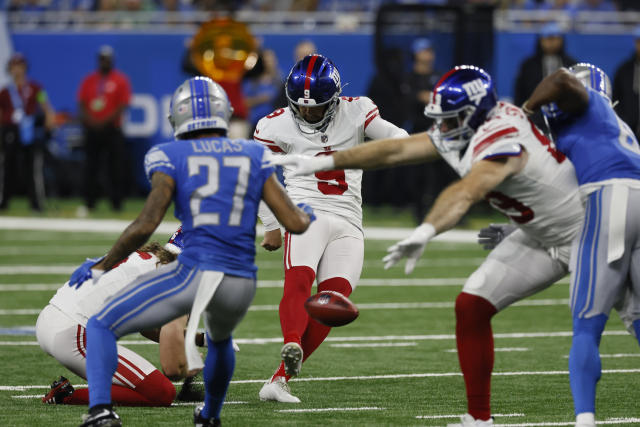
(335, 192)
(80, 304)
(543, 198)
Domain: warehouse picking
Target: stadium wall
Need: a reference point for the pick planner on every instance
(153, 62)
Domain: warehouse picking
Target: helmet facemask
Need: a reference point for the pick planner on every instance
(321, 125)
(454, 131)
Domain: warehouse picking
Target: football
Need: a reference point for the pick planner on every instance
(331, 308)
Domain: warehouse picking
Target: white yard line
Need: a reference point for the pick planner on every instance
(361, 306)
(375, 344)
(435, 337)
(168, 227)
(613, 356)
(497, 349)
(299, 411)
(368, 377)
(437, 417)
(572, 423)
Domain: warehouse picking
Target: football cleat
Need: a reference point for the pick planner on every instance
(277, 391)
(60, 389)
(101, 418)
(198, 421)
(291, 355)
(190, 392)
(468, 421)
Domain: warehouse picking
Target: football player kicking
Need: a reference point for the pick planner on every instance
(216, 185)
(317, 122)
(501, 156)
(606, 263)
(60, 331)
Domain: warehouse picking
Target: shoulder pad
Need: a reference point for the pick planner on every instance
(496, 140)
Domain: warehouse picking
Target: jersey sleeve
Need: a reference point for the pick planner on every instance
(496, 141)
(266, 133)
(157, 160)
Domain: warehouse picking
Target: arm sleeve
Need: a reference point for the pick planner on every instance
(157, 160)
(267, 217)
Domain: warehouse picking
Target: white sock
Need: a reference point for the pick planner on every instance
(586, 418)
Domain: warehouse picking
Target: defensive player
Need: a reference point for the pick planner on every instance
(317, 122)
(503, 157)
(606, 258)
(216, 185)
(60, 331)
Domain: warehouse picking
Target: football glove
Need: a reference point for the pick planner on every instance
(303, 165)
(84, 272)
(412, 248)
(308, 210)
(490, 236)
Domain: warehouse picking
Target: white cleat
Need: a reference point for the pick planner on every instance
(291, 354)
(468, 421)
(586, 419)
(277, 391)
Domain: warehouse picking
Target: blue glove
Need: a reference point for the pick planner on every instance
(83, 273)
(308, 210)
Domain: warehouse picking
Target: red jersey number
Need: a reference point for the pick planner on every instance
(505, 203)
(338, 176)
(276, 113)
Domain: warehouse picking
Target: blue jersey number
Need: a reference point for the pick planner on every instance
(212, 171)
(626, 137)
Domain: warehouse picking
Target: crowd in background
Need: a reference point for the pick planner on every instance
(570, 6)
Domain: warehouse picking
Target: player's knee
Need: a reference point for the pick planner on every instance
(473, 308)
(157, 388)
(337, 284)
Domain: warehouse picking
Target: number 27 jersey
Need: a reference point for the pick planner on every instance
(542, 198)
(218, 186)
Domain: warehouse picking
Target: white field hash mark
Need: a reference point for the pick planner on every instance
(437, 417)
(572, 423)
(363, 408)
(367, 377)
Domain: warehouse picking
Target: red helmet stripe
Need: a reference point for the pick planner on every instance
(442, 79)
(307, 77)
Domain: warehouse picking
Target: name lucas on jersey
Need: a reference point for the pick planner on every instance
(216, 146)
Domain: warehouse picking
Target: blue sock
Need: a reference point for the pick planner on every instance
(636, 327)
(102, 362)
(217, 373)
(584, 362)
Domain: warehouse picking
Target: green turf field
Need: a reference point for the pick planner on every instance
(395, 365)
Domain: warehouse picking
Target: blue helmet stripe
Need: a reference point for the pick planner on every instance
(198, 86)
(193, 105)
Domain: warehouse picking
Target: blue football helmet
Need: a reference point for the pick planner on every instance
(313, 82)
(199, 104)
(590, 76)
(175, 245)
(461, 101)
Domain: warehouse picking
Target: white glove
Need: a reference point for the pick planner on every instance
(302, 164)
(412, 247)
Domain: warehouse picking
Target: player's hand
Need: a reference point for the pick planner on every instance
(490, 236)
(308, 210)
(302, 164)
(85, 272)
(412, 248)
(272, 240)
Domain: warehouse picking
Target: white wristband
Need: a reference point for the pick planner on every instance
(323, 163)
(426, 231)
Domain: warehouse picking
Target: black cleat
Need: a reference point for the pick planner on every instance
(190, 392)
(198, 421)
(59, 390)
(101, 418)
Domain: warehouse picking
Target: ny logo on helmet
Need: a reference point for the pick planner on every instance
(475, 90)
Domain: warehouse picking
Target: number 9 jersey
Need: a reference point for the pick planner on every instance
(335, 192)
(218, 186)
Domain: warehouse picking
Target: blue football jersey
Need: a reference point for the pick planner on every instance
(599, 144)
(218, 188)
